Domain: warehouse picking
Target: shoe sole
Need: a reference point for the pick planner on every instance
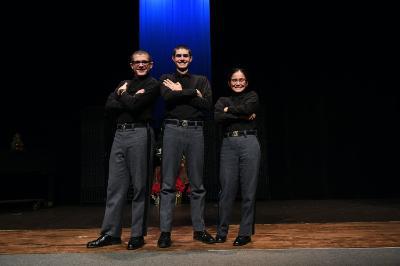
(220, 240)
(164, 246)
(167, 246)
(238, 245)
(110, 244)
(204, 241)
(136, 247)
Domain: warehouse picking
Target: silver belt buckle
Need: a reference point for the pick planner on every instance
(185, 123)
(235, 133)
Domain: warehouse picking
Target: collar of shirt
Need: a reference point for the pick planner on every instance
(135, 78)
(179, 75)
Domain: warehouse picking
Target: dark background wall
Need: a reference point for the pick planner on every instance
(329, 117)
(59, 59)
(324, 76)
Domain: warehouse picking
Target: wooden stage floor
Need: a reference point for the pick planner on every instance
(289, 224)
(268, 236)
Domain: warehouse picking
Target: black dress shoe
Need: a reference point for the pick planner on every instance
(204, 237)
(104, 240)
(135, 242)
(241, 240)
(220, 239)
(165, 240)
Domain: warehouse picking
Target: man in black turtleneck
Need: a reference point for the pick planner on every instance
(130, 158)
(188, 100)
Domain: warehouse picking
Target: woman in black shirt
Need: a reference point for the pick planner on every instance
(240, 156)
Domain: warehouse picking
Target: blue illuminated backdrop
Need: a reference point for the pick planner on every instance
(167, 23)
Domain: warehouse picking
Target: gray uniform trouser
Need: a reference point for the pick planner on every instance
(239, 164)
(128, 163)
(176, 142)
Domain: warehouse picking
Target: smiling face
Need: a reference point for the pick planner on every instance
(238, 81)
(141, 64)
(182, 59)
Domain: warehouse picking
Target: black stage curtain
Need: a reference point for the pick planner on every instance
(331, 122)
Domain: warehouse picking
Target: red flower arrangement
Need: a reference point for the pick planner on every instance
(182, 185)
(155, 189)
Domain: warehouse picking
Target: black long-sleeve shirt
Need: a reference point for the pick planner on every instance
(185, 104)
(240, 107)
(131, 107)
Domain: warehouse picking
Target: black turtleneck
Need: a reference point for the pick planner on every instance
(134, 108)
(185, 104)
(240, 107)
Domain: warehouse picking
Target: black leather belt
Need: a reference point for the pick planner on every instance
(238, 133)
(130, 125)
(184, 123)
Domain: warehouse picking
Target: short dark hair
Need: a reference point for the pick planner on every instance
(141, 52)
(182, 46)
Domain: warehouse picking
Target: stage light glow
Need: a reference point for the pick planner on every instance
(163, 24)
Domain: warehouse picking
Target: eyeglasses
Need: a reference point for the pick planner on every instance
(241, 80)
(182, 55)
(143, 62)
